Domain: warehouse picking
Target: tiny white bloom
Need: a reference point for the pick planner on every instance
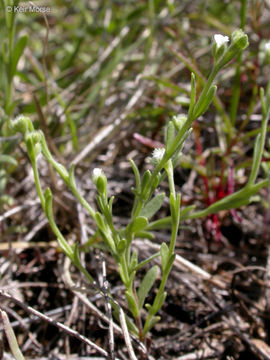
(19, 117)
(99, 179)
(220, 39)
(267, 46)
(97, 172)
(157, 155)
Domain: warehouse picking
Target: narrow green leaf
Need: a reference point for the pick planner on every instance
(256, 160)
(121, 245)
(206, 102)
(192, 94)
(170, 135)
(145, 179)
(164, 251)
(18, 50)
(184, 211)
(147, 284)
(100, 222)
(151, 324)
(76, 255)
(160, 301)
(164, 223)
(132, 305)
(138, 224)
(144, 235)
(111, 203)
(170, 263)
(131, 277)
(153, 206)
(136, 174)
(8, 160)
(105, 233)
(134, 260)
(122, 275)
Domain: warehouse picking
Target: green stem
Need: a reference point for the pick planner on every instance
(216, 101)
(82, 200)
(237, 79)
(177, 142)
(258, 150)
(37, 182)
(169, 170)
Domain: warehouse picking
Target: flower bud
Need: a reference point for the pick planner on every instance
(34, 136)
(32, 140)
(21, 124)
(239, 39)
(37, 149)
(179, 121)
(100, 181)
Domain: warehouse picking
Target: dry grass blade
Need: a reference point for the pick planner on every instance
(122, 330)
(13, 344)
(107, 130)
(59, 325)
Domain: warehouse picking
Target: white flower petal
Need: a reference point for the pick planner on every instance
(220, 39)
(97, 172)
(267, 46)
(158, 154)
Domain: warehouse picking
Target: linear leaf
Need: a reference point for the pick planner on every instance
(164, 251)
(147, 284)
(153, 206)
(139, 224)
(8, 159)
(18, 50)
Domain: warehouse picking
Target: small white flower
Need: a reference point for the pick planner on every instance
(267, 46)
(220, 39)
(100, 180)
(157, 155)
(97, 172)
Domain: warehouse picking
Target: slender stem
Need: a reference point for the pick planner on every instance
(82, 200)
(173, 238)
(37, 182)
(237, 79)
(169, 170)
